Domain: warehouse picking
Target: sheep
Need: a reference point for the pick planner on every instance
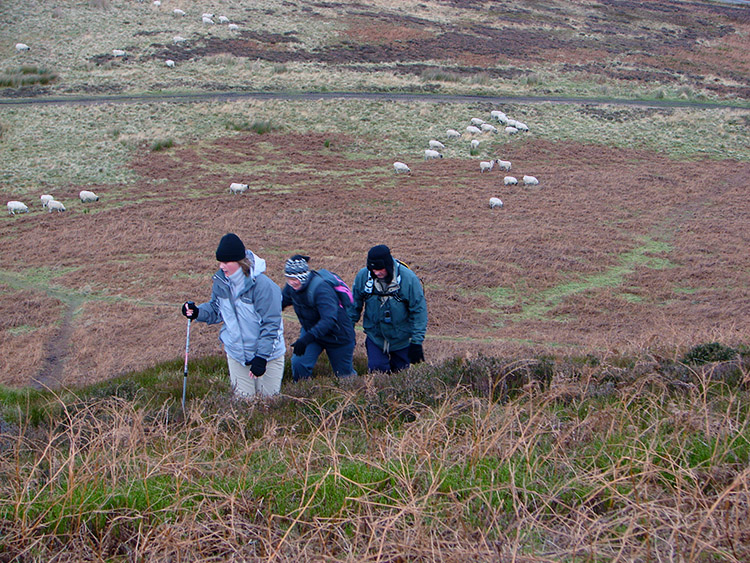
(511, 123)
(22, 47)
(207, 20)
(118, 53)
(530, 180)
(474, 143)
(437, 145)
(208, 15)
(223, 19)
(400, 167)
(178, 12)
(17, 207)
(178, 39)
(452, 134)
(169, 63)
(504, 164)
(45, 198)
(157, 3)
(87, 196)
(476, 121)
(233, 27)
(521, 126)
(500, 116)
(486, 166)
(54, 205)
(510, 180)
(495, 202)
(511, 130)
(473, 130)
(489, 128)
(237, 188)
(429, 154)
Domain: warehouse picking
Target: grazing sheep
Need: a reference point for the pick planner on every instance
(237, 188)
(521, 126)
(400, 167)
(157, 3)
(178, 39)
(223, 19)
(504, 164)
(495, 202)
(473, 130)
(474, 143)
(87, 196)
(169, 63)
(54, 205)
(489, 128)
(118, 53)
(233, 27)
(45, 198)
(429, 154)
(452, 134)
(22, 47)
(510, 180)
(208, 15)
(530, 180)
(178, 12)
(486, 166)
(500, 116)
(437, 145)
(476, 121)
(208, 20)
(17, 207)
(511, 130)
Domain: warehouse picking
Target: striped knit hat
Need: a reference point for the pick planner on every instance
(296, 267)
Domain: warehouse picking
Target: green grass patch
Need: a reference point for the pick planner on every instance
(26, 76)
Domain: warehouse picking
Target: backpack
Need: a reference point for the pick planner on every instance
(343, 292)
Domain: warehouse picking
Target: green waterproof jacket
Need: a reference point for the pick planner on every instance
(393, 321)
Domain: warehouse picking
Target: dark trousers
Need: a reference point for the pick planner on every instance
(394, 360)
(340, 358)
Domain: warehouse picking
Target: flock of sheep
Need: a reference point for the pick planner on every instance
(50, 203)
(479, 127)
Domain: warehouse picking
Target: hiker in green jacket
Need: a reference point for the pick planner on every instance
(395, 311)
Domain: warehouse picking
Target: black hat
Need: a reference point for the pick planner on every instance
(230, 249)
(378, 258)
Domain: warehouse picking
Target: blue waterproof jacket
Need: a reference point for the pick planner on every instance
(252, 323)
(325, 318)
(391, 322)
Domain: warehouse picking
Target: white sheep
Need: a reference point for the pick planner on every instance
(511, 123)
(437, 145)
(87, 196)
(521, 126)
(22, 47)
(208, 15)
(476, 121)
(504, 164)
(208, 20)
(223, 19)
(495, 202)
(157, 3)
(510, 180)
(237, 188)
(178, 39)
(54, 205)
(430, 154)
(452, 134)
(400, 167)
(17, 207)
(118, 53)
(233, 27)
(45, 198)
(471, 129)
(169, 63)
(488, 128)
(530, 180)
(511, 130)
(486, 166)
(474, 143)
(178, 12)
(500, 116)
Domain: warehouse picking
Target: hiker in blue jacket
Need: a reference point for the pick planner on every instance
(325, 322)
(395, 311)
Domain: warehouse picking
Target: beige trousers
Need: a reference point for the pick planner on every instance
(246, 385)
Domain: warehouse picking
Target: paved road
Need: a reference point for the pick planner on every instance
(437, 98)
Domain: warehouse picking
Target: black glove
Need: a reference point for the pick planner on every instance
(190, 310)
(257, 366)
(416, 353)
(301, 344)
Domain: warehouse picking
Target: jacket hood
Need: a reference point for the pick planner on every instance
(258, 264)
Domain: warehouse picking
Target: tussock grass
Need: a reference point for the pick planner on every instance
(526, 459)
(26, 76)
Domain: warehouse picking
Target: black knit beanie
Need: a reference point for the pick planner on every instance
(378, 258)
(230, 249)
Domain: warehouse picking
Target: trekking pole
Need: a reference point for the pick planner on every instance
(184, 379)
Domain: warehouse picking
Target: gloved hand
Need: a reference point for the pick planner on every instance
(416, 353)
(257, 366)
(300, 345)
(190, 310)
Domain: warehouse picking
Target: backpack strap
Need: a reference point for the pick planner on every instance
(312, 285)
